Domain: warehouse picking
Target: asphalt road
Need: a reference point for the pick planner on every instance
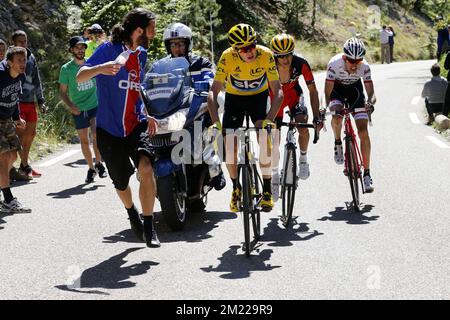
(76, 244)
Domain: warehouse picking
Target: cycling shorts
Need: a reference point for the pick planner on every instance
(354, 95)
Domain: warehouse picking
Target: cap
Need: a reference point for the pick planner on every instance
(76, 40)
(96, 27)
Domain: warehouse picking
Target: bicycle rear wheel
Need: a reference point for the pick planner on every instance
(247, 203)
(288, 185)
(354, 173)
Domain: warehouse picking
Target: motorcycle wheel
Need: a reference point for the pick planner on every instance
(173, 202)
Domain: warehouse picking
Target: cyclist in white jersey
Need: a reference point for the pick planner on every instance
(343, 82)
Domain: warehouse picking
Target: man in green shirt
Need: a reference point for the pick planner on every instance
(81, 99)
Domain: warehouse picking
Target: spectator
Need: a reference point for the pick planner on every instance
(97, 38)
(86, 35)
(443, 41)
(3, 48)
(82, 102)
(11, 78)
(32, 89)
(434, 93)
(123, 128)
(353, 31)
(446, 108)
(385, 48)
(391, 43)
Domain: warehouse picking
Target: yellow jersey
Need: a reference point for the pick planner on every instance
(246, 78)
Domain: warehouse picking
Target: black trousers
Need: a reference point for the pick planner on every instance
(433, 107)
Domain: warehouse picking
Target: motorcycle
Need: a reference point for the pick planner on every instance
(184, 163)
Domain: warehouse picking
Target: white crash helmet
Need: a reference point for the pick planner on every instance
(177, 31)
(354, 48)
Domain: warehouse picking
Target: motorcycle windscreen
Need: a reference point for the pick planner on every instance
(166, 86)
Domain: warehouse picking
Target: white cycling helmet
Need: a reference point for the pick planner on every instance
(354, 49)
(177, 31)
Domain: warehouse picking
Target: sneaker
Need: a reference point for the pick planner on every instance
(29, 171)
(303, 170)
(35, 174)
(218, 182)
(430, 120)
(275, 186)
(236, 199)
(19, 175)
(150, 236)
(100, 168)
(368, 184)
(90, 176)
(14, 207)
(267, 202)
(338, 154)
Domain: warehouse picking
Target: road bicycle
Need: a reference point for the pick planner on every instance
(288, 179)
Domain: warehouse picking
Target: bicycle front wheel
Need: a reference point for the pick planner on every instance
(247, 204)
(354, 173)
(288, 185)
(256, 215)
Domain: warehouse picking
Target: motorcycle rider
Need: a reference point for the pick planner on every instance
(178, 41)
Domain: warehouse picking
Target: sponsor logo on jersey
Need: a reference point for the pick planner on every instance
(238, 69)
(255, 72)
(248, 85)
(223, 61)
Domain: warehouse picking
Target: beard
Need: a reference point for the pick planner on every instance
(79, 56)
(143, 41)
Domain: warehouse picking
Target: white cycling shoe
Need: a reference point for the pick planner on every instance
(338, 154)
(368, 184)
(303, 170)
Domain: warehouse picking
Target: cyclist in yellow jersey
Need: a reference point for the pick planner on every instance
(249, 71)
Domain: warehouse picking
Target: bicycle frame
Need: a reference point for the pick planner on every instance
(351, 136)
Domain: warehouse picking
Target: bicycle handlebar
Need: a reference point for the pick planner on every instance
(303, 125)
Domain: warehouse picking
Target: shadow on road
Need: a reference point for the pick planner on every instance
(282, 237)
(349, 216)
(238, 266)
(197, 228)
(76, 164)
(109, 274)
(74, 191)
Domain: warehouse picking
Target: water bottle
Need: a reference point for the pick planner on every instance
(122, 58)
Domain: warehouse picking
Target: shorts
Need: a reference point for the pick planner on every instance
(28, 111)
(82, 121)
(237, 106)
(9, 141)
(297, 107)
(354, 95)
(117, 151)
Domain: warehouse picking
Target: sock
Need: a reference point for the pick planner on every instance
(148, 222)
(267, 186)
(303, 156)
(236, 184)
(338, 142)
(366, 172)
(132, 211)
(7, 195)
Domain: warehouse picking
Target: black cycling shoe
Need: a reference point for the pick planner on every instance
(150, 236)
(90, 176)
(136, 224)
(101, 170)
(218, 182)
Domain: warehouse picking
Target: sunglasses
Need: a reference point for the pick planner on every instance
(282, 56)
(247, 48)
(354, 61)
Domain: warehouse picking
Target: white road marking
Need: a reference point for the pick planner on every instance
(416, 100)
(59, 158)
(414, 118)
(438, 142)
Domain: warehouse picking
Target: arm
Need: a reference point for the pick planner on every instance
(213, 106)
(65, 97)
(275, 87)
(329, 85)
(314, 99)
(370, 92)
(38, 84)
(108, 69)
